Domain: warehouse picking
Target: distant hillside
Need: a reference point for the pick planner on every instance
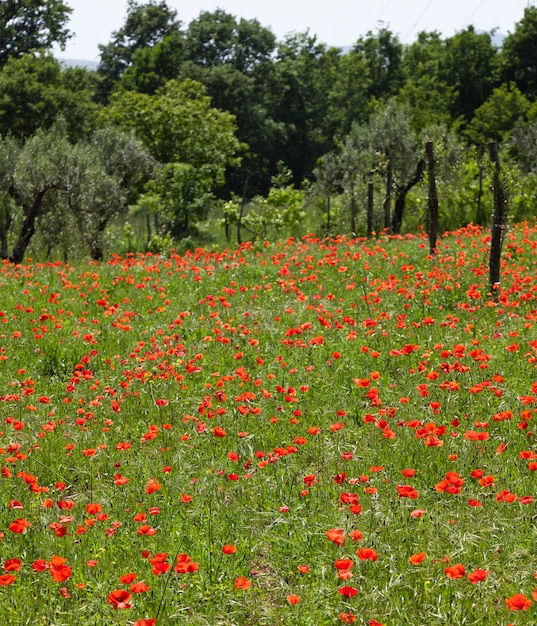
(90, 65)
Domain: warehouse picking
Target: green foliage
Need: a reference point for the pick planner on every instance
(519, 54)
(178, 124)
(30, 25)
(265, 217)
(471, 68)
(180, 195)
(218, 38)
(194, 141)
(146, 25)
(35, 91)
(66, 192)
(494, 119)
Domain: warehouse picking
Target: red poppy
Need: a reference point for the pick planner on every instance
(19, 525)
(7, 579)
(292, 599)
(343, 564)
(347, 592)
(152, 486)
(119, 599)
(336, 535)
(241, 583)
(229, 549)
(417, 558)
(126, 579)
(518, 602)
(59, 571)
(455, 571)
(12, 565)
(366, 554)
(477, 576)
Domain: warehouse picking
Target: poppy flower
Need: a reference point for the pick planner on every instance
(343, 564)
(19, 525)
(477, 576)
(347, 618)
(119, 599)
(7, 579)
(145, 622)
(12, 565)
(292, 599)
(336, 535)
(366, 554)
(241, 583)
(417, 558)
(347, 592)
(455, 571)
(126, 579)
(59, 570)
(229, 549)
(139, 587)
(518, 602)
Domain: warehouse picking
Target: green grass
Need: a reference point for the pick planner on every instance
(251, 397)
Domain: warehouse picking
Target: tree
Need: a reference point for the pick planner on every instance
(109, 175)
(519, 54)
(30, 25)
(305, 71)
(394, 142)
(471, 68)
(233, 59)
(62, 190)
(36, 181)
(146, 26)
(382, 53)
(35, 90)
(9, 150)
(194, 141)
(153, 67)
(346, 169)
(498, 115)
(426, 89)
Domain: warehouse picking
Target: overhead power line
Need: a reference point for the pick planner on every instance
(420, 17)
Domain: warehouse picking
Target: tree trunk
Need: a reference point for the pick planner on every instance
(353, 212)
(369, 209)
(241, 210)
(433, 198)
(388, 197)
(400, 196)
(28, 226)
(499, 218)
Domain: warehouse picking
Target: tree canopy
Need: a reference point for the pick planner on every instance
(27, 26)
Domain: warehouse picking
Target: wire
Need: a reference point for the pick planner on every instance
(421, 16)
(383, 10)
(475, 11)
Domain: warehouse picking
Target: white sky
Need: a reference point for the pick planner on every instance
(334, 22)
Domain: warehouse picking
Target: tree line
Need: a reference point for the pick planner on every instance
(181, 122)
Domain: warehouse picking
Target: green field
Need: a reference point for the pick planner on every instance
(305, 433)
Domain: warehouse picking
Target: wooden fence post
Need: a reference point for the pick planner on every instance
(370, 209)
(499, 219)
(432, 199)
